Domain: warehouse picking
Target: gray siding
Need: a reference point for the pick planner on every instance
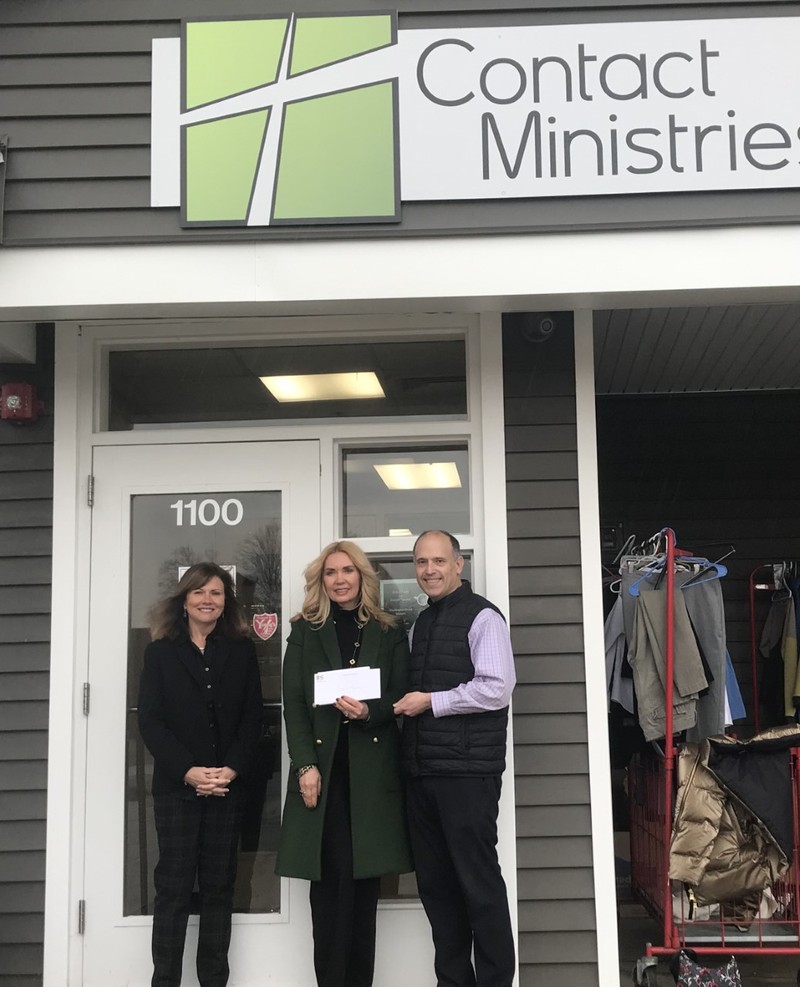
(75, 104)
(26, 490)
(554, 868)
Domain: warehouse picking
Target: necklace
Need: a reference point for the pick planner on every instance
(344, 628)
(357, 645)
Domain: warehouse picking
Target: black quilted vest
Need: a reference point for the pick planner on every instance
(467, 744)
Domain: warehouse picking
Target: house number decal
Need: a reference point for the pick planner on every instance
(208, 512)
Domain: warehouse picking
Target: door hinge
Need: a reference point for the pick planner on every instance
(90, 491)
(86, 689)
(81, 916)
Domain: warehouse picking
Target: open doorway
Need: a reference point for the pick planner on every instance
(695, 417)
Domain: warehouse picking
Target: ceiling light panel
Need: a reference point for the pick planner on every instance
(324, 387)
(419, 476)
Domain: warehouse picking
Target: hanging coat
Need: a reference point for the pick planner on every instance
(377, 802)
(732, 833)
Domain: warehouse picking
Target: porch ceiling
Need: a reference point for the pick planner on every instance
(679, 350)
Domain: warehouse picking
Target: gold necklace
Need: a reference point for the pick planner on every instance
(357, 645)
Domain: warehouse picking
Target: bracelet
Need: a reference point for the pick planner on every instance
(306, 767)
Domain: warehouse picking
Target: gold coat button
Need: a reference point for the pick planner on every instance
(319, 741)
(374, 740)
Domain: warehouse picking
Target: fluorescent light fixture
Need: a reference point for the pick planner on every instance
(399, 532)
(324, 387)
(419, 476)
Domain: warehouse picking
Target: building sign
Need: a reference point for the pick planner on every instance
(331, 119)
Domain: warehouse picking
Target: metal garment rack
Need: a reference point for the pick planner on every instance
(652, 804)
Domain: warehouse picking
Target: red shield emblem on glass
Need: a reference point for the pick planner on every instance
(265, 624)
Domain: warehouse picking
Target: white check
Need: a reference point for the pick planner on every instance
(361, 682)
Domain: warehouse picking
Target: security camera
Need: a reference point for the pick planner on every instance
(534, 327)
(538, 327)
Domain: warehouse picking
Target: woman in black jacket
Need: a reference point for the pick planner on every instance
(200, 714)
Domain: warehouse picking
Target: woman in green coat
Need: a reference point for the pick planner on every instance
(344, 821)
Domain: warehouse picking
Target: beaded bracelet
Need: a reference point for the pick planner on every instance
(306, 767)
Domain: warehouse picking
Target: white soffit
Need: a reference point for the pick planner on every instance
(696, 349)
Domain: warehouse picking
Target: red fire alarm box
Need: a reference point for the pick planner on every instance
(18, 403)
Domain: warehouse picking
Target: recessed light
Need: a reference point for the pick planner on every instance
(419, 476)
(324, 387)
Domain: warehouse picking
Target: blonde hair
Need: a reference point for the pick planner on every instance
(317, 605)
(167, 617)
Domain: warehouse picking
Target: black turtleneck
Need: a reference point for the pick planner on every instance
(348, 636)
(348, 633)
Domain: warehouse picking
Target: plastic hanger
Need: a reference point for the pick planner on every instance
(657, 569)
(654, 568)
(627, 546)
(719, 571)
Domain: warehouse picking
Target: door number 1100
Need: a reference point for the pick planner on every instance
(208, 512)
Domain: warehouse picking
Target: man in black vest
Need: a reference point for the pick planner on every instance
(453, 749)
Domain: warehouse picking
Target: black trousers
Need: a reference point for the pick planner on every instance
(197, 838)
(343, 909)
(453, 822)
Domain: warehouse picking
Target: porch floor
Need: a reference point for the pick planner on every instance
(636, 929)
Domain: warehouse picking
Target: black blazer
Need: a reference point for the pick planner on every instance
(173, 708)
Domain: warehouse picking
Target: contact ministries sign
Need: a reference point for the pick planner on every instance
(340, 118)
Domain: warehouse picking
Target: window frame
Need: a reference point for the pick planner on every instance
(102, 337)
(258, 333)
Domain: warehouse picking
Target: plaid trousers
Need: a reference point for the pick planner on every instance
(197, 837)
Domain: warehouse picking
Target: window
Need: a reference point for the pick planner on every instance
(396, 491)
(212, 384)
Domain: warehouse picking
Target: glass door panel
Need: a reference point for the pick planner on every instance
(242, 532)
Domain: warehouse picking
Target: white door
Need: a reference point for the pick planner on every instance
(251, 505)
(255, 506)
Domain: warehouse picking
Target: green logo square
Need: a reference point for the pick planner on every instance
(254, 155)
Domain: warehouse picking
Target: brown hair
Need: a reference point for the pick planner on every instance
(167, 617)
(317, 605)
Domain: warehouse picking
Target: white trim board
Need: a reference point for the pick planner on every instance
(594, 650)
(470, 273)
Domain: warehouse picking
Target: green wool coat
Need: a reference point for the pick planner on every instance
(377, 804)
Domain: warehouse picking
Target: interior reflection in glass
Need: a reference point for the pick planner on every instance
(221, 383)
(372, 508)
(168, 533)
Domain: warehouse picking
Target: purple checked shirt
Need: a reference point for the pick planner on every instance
(495, 677)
